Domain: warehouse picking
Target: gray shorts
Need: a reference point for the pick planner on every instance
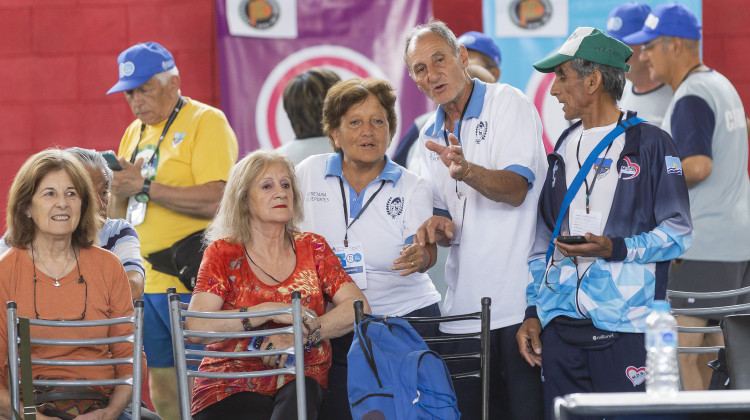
(708, 276)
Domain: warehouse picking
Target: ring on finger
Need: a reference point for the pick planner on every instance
(412, 264)
(270, 346)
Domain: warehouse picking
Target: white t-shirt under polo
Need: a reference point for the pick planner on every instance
(384, 227)
(501, 129)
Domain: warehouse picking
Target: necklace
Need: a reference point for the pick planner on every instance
(56, 277)
(689, 72)
(261, 268)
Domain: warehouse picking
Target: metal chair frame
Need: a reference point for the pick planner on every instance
(483, 355)
(177, 314)
(136, 338)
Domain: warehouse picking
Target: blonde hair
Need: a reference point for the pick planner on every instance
(233, 217)
(21, 228)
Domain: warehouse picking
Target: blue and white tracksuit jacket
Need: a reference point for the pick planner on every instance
(649, 225)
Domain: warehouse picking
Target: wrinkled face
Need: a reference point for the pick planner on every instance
(101, 190)
(654, 55)
(152, 101)
(569, 90)
(55, 206)
(270, 196)
(363, 134)
(438, 72)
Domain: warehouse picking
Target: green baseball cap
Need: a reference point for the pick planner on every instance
(589, 44)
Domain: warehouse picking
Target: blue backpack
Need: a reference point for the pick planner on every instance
(392, 374)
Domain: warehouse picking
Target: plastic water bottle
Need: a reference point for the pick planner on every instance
(662, 373)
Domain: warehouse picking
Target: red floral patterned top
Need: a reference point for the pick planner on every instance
(225, 272)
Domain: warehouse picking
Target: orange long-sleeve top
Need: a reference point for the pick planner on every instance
(105, 294)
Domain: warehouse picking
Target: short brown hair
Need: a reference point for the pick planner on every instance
(344, 95)
(21, 228)
(233, 217)
(303, 100)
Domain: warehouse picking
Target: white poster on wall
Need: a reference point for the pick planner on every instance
(262, 18)
(531, 18)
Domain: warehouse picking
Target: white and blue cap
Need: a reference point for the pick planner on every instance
(626, 19)
(478, 41)
(139, 63)
(667, 20)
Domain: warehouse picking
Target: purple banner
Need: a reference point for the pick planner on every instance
(354, 38)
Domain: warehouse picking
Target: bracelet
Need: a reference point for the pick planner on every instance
(468, 169)
(246, 321)
(428, 262)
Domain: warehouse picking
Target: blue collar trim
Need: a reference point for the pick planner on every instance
(473, 110)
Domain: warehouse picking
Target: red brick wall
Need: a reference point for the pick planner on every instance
(58, 59)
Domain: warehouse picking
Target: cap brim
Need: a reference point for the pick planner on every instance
(640, 37)
(128, 84)
(547, 65)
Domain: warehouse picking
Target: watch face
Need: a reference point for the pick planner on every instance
(141, 197)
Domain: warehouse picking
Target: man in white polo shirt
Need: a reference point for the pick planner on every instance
(483, 155)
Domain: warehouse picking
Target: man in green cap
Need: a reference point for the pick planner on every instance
(630, 216)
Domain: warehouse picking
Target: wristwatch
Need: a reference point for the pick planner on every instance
(142, 196)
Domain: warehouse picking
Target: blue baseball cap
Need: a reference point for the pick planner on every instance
(667, 20)
(478, 41)
(626, 19)
(139, 63)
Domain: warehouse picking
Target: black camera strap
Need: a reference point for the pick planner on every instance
(180, 102)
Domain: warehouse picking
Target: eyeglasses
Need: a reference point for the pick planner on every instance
(546, 275)
(647, 46)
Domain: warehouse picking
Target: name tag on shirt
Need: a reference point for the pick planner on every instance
(581, 223)
(458, 206)
(352, 258)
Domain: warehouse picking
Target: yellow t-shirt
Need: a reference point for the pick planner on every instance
(200, 147)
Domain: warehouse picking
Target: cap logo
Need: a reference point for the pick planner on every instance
(168, 64)
(651, 21)
(126, 69)
(614, 23)
(467, 39)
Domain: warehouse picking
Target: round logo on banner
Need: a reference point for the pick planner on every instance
(272, 125)
(530, 14)
(259, 14)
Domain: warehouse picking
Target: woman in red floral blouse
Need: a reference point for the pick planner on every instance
(254, 263)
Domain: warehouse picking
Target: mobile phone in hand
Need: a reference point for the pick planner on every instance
(112, 161)
(571, 239)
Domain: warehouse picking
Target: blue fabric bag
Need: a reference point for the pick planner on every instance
(392, 374)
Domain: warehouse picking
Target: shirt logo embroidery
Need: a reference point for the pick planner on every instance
(674, 166)
(480, 132)
(630, 170)
(394, 206)
(605, 165)
(177, 139)
(314, 196)
(636, 375)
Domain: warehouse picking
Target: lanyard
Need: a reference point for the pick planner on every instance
(170, 120)
(590, 190)
(346, 212)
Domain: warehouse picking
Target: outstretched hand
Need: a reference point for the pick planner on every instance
(451, 155)
(434, 230)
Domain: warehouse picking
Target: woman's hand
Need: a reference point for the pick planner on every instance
(278, 341)
(413, 258)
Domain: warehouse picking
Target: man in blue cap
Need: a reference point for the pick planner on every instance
(649, 98)
(175, 160)
(482, 51)
(591, 292)
(707, 122)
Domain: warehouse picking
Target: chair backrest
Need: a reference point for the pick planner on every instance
(737, 342)
(136, 359)
(177, 315)
(483, 336)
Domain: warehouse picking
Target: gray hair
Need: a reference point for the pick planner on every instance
(437, 27)
(164, 76)
(94, 160)
(613, 79)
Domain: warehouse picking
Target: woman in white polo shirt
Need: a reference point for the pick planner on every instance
(368, 208)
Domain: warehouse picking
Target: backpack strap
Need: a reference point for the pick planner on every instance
(366, 344)
(583, 171)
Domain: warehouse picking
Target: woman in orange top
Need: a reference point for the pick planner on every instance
(54, 272)
(254, 263)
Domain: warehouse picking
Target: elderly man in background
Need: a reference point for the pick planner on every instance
(707, 122)
(303, 102)
(483, 155)
(649, 98)
(592, 294)
(175, 160)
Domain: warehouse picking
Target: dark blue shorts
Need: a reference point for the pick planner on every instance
(157, 338)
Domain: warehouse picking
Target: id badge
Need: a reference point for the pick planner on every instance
(580, 222)
(352, 258)
(136, 211)
(458, 207)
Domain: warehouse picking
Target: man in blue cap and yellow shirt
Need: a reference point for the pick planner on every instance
(175, 160)
(588, 300)
(706, 119)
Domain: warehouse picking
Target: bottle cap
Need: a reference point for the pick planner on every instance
(660, 305)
